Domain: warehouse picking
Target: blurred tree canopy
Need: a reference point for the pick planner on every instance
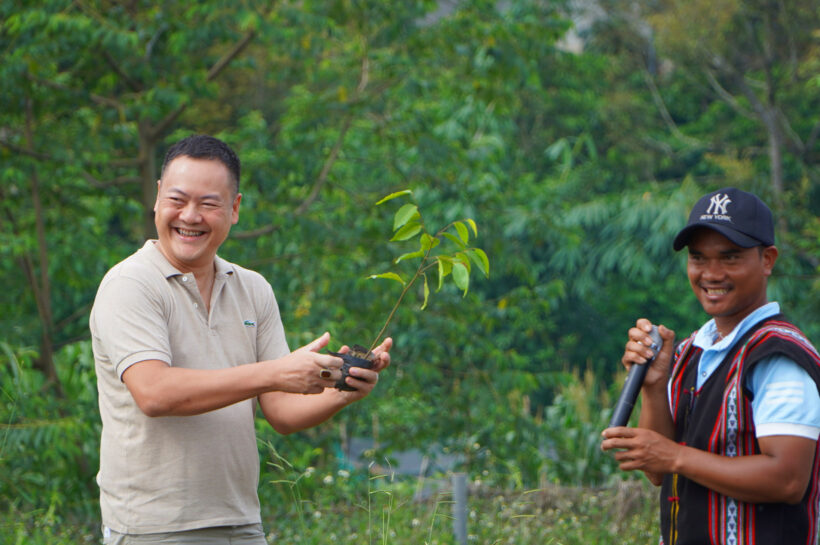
(579, 166)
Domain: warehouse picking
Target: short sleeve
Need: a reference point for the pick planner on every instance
(129, 324)
(785, 400)
(271, 343)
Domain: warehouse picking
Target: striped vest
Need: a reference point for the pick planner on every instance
(718, 419)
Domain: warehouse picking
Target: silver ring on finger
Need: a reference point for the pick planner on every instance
(325, 373)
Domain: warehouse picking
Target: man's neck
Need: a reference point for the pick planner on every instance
(205, 284)
(726, 324)
(203, 274)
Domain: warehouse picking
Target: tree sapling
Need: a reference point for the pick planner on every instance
(408, 224)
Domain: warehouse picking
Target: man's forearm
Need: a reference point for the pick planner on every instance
(289, 413)
(162, 390)
(778, 475)
(655, 413)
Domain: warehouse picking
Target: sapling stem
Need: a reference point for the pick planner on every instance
(399, 300)
(408, 223)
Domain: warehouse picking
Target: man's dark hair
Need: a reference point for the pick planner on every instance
(202, 146)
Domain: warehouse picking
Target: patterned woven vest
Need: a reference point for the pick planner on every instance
(718, 419)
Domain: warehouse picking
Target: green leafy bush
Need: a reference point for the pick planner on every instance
(49, 445)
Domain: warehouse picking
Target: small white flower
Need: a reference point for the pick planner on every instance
(343, 473)
(328, 479)
(415, 523)
(317, 514)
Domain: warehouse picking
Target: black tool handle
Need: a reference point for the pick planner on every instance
(633, 383)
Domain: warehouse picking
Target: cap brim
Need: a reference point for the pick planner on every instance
(744, 241)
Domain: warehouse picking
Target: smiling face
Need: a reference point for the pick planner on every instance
(728, 280)
(195, 209)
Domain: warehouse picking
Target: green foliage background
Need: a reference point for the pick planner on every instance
(578, 166)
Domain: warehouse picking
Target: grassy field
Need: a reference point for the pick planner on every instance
(386, 513)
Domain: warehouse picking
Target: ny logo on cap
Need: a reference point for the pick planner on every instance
(718, 203)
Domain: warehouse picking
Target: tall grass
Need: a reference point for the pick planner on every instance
(539, 479)
(385, 512)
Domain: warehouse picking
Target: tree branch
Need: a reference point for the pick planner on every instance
(73, 316)
(27, 152)
(99, 99)
(215, 70)
(254, 233)
(793, 140)
(222, 63)
(120, 180)
(810, 141)
(329, 161)
(667, 118)
(334, 152)
(135, 86)
(321, 179)
(726, 96)
(116, 163)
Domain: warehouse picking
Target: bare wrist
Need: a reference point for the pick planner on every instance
(679, 459)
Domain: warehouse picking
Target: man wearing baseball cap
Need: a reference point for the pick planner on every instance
(730, 416)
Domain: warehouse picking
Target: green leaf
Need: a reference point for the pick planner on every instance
(480, 258)
(445, 265)
(409, 255)
(249, 21)
(393, 196)
(405, 214)
(473, 225)
(462, 231)
(428, 242)
(455, 239)
(461, 276)
(557, 149)
(389, 276)
(426, 293)
(462, 258)
(408, 231)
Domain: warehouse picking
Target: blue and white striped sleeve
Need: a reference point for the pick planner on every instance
(785, 401)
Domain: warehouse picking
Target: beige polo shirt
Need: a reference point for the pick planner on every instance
(167, 474)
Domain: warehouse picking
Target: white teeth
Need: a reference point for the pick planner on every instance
(715, 291)
(187, 233)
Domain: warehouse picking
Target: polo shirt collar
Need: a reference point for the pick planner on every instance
(154, 255)
(714, 351)
(222, 267)
(706, 337)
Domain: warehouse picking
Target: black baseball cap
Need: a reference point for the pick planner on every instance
(739, 216)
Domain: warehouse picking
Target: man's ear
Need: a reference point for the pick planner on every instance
(769, 256)
(235, 208)
(156, 201)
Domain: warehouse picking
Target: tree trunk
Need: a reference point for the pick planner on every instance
(41, 286)
(148, 177)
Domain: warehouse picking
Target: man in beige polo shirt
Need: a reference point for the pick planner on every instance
(186, 345)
